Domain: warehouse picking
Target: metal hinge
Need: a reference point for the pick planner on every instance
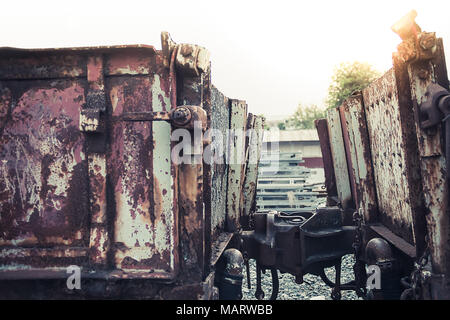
(436, 108)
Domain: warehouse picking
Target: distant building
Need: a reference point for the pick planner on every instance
(305, 141)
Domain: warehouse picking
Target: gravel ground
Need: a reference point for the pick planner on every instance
(312, 286)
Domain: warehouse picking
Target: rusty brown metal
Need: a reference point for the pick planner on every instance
(388, 125)
(348, 147)
(207, 168)
(359, 158)
(85, 169)
(339, 158)
(144, 116)
(395, 240)
(44, 186)
(330, 181)
(251, 173)
(236, 160)
(144, 228)
(88, 178)
(422, 72)
(192, 60)
(251, 118)
(220, 122)
(99, 243)
(191, 202)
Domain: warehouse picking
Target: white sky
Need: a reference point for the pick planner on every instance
(273, 54)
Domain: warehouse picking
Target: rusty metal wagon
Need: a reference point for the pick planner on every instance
(385, 152)
(88, 177)
(386, 149)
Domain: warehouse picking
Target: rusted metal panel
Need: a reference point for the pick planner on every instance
(192, 207)
(236, 158)
(41, 65)
(325, 148)
(206, 105)
(358, 156)
(339, 158)
(139, 166)
(219, 246)
(44, 186)
(59, 188)
(91, 121)
(421, 73)
(194, 291)
(248, 133)
(395, 240)
(348, 154)
(87, 171)
(164, 195)
(251, 173)
(136, 62)
(191, 213)
(220, 123)
(25, 259)
(58, 63)
(99, 243)
(387, 125)
(192, 60)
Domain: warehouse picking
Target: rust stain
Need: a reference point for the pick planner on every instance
(44, 194)
(80, 184)
(389, 156)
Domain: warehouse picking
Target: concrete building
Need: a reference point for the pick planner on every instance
(305, 141)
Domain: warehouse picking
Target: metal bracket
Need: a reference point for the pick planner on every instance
(181, 117)
(191, 60)
(416, 45)
(436, 107)
(95, 97)
(145, 116)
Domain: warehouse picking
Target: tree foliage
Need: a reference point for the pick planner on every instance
(304, 117)
(348, 78)
(281, 125)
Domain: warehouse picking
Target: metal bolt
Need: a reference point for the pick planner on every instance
(181, 115)
(423, 74)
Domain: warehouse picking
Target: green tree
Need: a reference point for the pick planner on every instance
(304, 117)
(348, 78)
(281, 125)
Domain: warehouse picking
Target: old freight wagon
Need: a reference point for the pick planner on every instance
(386, 154)
(88, 177)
